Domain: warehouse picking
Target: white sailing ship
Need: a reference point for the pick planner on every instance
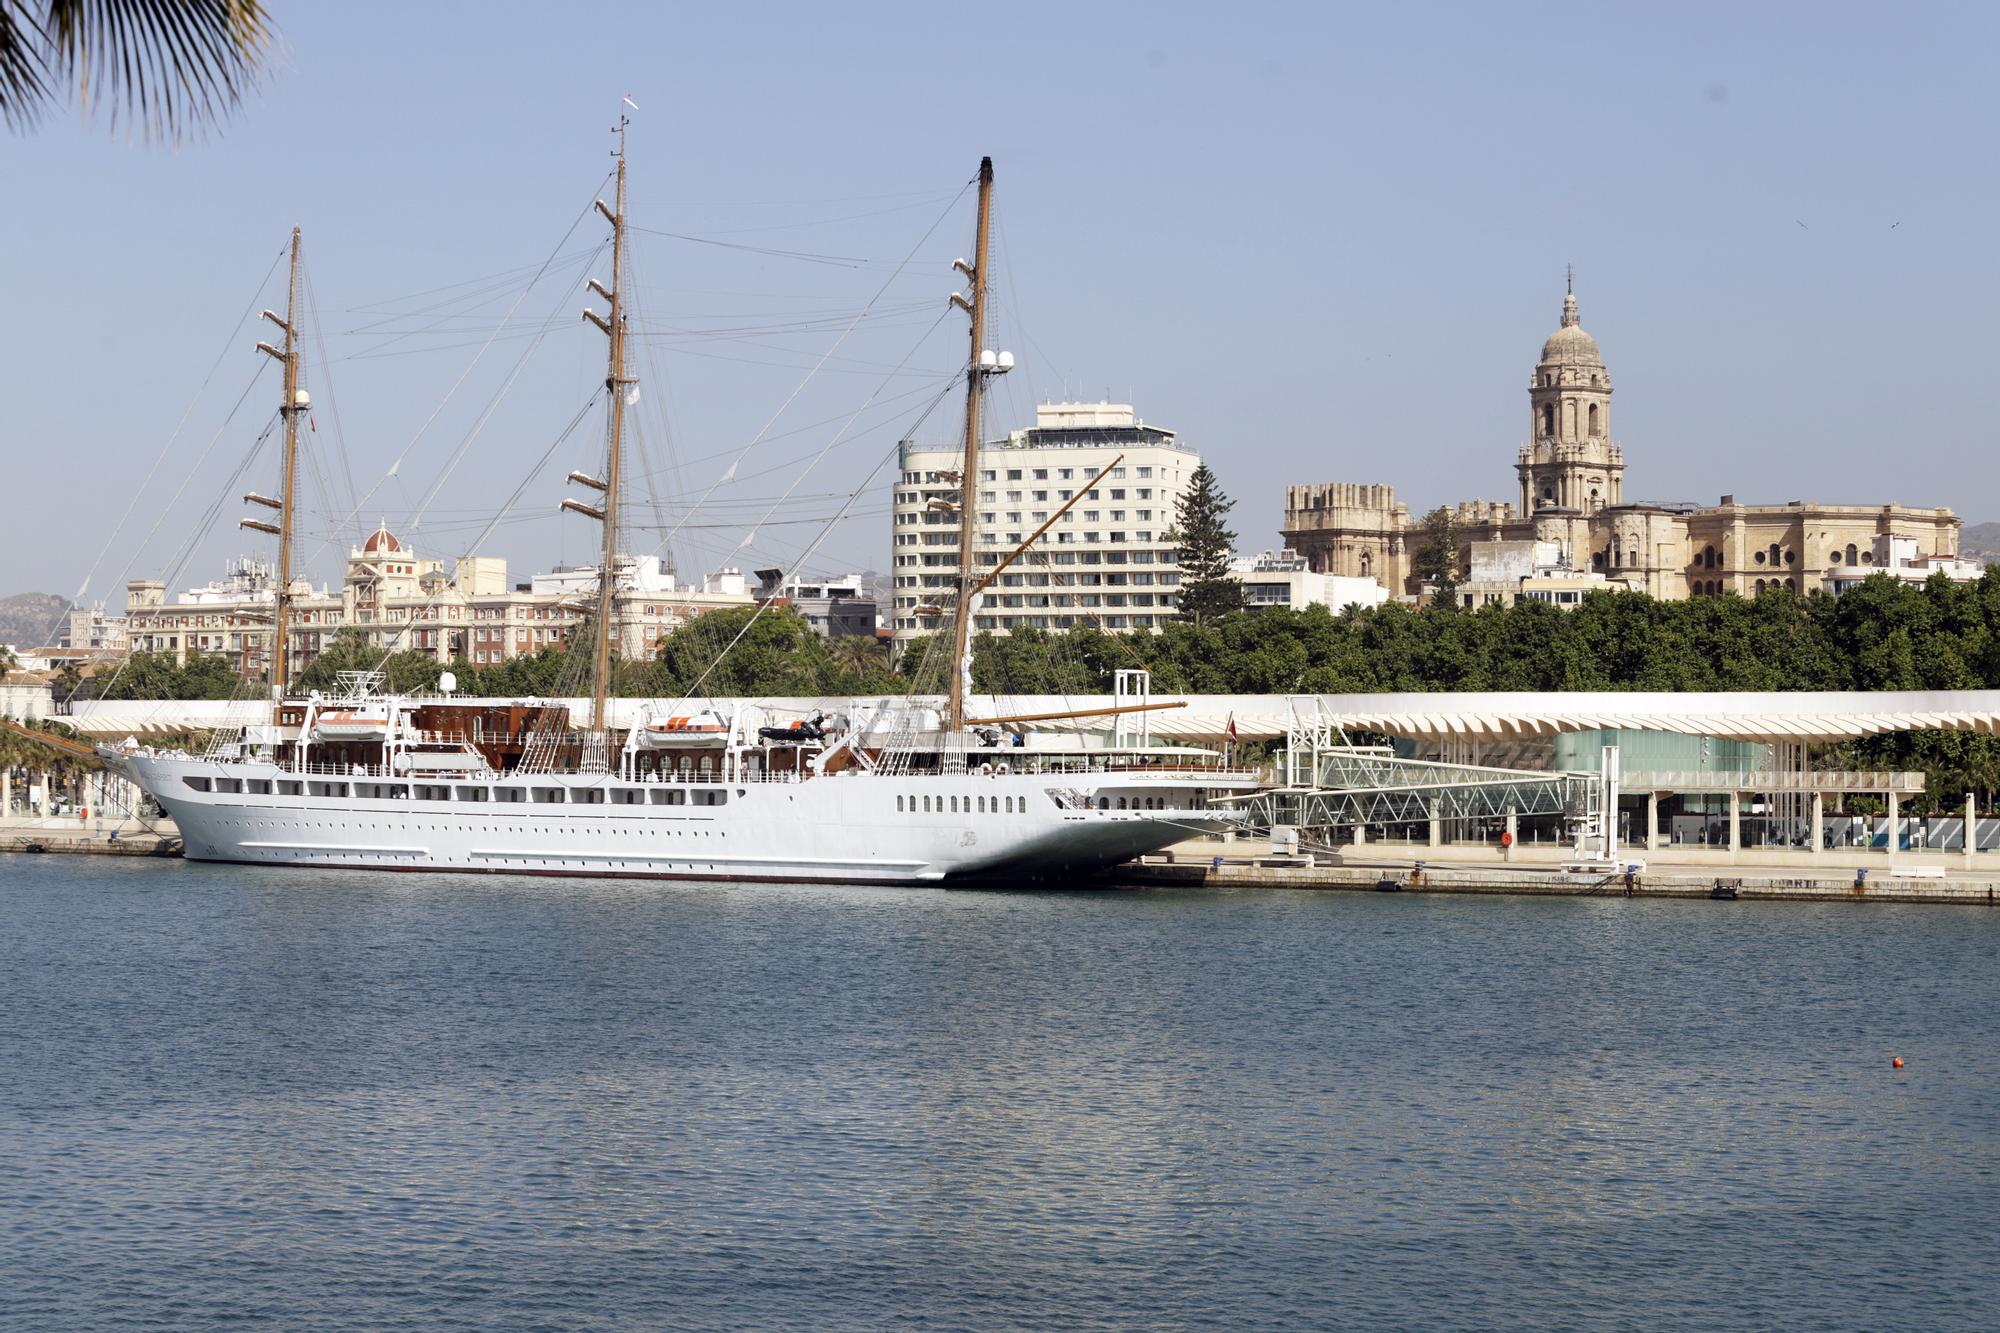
(886, 791)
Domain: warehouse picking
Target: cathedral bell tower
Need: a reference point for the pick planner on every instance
(1571, 464)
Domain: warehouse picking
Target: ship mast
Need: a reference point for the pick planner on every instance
(615, 381)
(292, 406)
(975, 376)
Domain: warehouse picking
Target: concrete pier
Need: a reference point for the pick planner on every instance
(99, 837)
(1417, 868)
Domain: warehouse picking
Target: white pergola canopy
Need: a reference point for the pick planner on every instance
(1797, 717)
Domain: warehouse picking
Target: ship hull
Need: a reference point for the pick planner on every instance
(865, 829)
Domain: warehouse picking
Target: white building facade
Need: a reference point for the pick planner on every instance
(1897, 556)
(465, 609)
(1109, 561)
(1284, 578)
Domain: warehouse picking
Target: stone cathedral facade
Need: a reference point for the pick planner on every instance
(1571, 490)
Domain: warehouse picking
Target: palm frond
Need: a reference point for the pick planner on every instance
(165, 66)
(23, 82)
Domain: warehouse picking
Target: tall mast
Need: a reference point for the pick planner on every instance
(292, 406)
(615, 380)
(975, 376)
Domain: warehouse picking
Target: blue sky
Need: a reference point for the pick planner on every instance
(1323, 242)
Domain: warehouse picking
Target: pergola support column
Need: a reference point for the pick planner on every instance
(1971, 828)
(1895, 824)
(1818, 823)
(1735, 825)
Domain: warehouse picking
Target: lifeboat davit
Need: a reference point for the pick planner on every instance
(697, 731)
(345, 724)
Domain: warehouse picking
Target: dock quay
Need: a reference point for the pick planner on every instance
(98, 837)
(1209, 864)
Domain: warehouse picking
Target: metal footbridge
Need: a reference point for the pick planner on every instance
(1362, 785)
(1329, 783)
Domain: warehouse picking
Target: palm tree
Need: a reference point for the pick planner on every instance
(168, 65)
(857, 655)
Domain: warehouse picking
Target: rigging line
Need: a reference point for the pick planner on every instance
(823, 222)
(655, 403)
(823, 421)
(479, 426)
(167, 448)
(387, 338)
(332, 398)
(857, 367)
(1014, 306)
(786, 203)
(847, 426)
(396, 466)
(804, 256)
(806, 555)
(487, 282)
(794, 566)
(527, 479)
(200, 528)
(837, 344)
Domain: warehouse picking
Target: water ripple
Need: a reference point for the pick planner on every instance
(251, 1098)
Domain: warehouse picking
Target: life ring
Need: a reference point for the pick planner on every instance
(1506, 840)
(986, 770)
(1004, 770)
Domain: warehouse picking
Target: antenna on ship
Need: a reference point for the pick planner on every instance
(294, 404)
(616, 381)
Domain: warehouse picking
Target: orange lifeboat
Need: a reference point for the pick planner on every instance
(697, 731)
(347, 724)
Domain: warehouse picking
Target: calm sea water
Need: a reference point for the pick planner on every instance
(313, 1100)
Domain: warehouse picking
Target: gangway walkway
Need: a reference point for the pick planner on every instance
(1363, 785)
(1331, 783)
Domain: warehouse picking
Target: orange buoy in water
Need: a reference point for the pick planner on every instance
(1896, 1063)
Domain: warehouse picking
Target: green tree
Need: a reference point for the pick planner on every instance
(1435, 561)
(158, 676)
(742, 652)
(407, 672)
(1206, 546)
(168, 66)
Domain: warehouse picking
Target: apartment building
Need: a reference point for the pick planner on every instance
(1109, 561)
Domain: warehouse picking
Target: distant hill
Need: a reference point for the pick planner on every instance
(1981, 540)
(28, 619)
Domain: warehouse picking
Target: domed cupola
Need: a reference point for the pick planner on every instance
(1570, 345)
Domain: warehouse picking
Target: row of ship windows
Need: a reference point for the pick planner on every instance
(987, 805)
(366, 826)
(438, 791)
(995, 805)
